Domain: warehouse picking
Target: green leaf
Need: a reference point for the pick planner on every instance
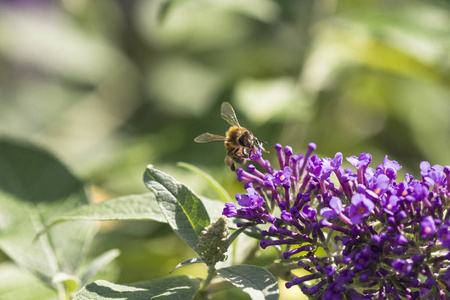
(72, 283)
(235, 234)
(98, 264)
(132, 207)
(182, 208)
(163, 10)
(176, 288)
(187, 262)
(213, 207)
(35, 188)
(253, 280)
(221, 192)
(18, 283)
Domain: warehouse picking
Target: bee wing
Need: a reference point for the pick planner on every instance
(228, 114)
(209, 137)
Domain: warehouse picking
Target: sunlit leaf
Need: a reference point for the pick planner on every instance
(169, 288)
(17, 283)
(71, 283)
(253, 280)
(132, 207)
(98, 264)
(183, 209)
(187, 262)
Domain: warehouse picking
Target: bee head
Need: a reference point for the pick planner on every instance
(246, 139)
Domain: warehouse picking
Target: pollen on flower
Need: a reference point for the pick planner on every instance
(377, 191)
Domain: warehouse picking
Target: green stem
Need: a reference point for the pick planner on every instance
(211, 274)
(203, 292)
(327, 241)
(217, 285)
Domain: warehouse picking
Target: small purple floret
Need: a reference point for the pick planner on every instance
(360, 208)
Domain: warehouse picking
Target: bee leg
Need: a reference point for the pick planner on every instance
(239, 152)
(234, 152)
(229, 162)
(243, 154)
(240, 160)
(246, 154)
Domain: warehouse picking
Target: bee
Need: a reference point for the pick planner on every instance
(239, 141)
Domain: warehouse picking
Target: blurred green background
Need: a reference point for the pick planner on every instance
(111, 86)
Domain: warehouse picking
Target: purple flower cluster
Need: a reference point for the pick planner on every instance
(357, 232)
